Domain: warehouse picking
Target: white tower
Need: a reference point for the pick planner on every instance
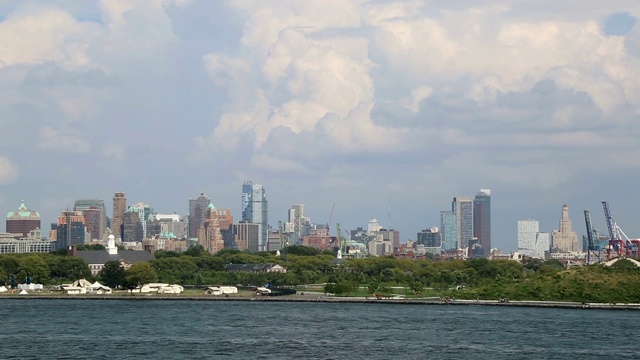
(111, 245)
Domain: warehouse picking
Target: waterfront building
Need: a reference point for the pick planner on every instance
(117, 219)
(448, 230)
(564, 239)
(255, 209)
(463, 210)
(482, 221)
(22, 221)
(532, 242)
(197, 214)
(71, 230)
(95, 215)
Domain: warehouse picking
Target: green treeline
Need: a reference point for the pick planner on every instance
(471, 279)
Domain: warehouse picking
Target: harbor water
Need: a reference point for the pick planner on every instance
(124, 329)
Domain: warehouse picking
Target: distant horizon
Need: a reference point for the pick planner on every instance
(387, 108)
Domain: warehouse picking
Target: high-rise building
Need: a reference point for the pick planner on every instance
(298, 223)
(144, 213)
(197, 214)
(564, 239)
(117, 219)
(70, 229)
(254, 209)
(482, 220)
(532, 242)
(21, 222)
(209, 235)
(449, 230)
(132, 226)
(463, 210)
(93, 204)
(93, 221)
(247, 235)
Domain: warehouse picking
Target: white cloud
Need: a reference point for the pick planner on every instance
(8, 171)
(65, 140)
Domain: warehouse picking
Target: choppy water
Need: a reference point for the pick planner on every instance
(98, 329)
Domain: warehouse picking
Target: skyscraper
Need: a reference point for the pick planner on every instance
(482, 220)
(119, 208)
(197, 214)
(70, 229)
(98, 229)
(531, 242)
(254, 209)
(564, 239)
(449, 230)
(463, 210)
(22, 221)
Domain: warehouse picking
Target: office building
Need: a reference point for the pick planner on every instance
(96, 223)
(22, 221)
(197, 214)
(532, 242)
(247, 236)
(254, 209)
(117, 219)
(132, 227)
(448, 230)
(71, 230)
(564, 239)
(482, 221)
(463, 210)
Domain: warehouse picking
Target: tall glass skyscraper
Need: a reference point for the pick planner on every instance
(449, 230)
(254, 208)
(197, 213)
(482, 220)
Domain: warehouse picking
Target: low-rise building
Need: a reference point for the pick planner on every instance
(255, 268)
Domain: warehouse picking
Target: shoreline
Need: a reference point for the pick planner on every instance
(353, 300)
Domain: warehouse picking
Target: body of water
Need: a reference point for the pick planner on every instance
(99, 329)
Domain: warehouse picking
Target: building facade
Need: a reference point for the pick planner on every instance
(247, 236)
(449, 230)
(255, 210)
(197, 213)
(22, 221)
(532, 242)
(564, 239)
(117, 219)
(96, 223)
(70, 229)
(463, 210)
(482, 220)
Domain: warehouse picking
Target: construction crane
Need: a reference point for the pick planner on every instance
(592, 237)
(616, 235)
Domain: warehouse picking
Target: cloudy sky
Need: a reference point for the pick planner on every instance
(388, 109)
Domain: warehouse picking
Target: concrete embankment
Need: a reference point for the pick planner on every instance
(325, 299)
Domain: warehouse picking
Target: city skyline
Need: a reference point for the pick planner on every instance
(388, 109)
(513, 245)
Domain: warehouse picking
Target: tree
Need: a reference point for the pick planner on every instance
(195, 251)
(33, 267)
(141, 273)
(112, 274)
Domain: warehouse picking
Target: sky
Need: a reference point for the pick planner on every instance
(387, 109)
